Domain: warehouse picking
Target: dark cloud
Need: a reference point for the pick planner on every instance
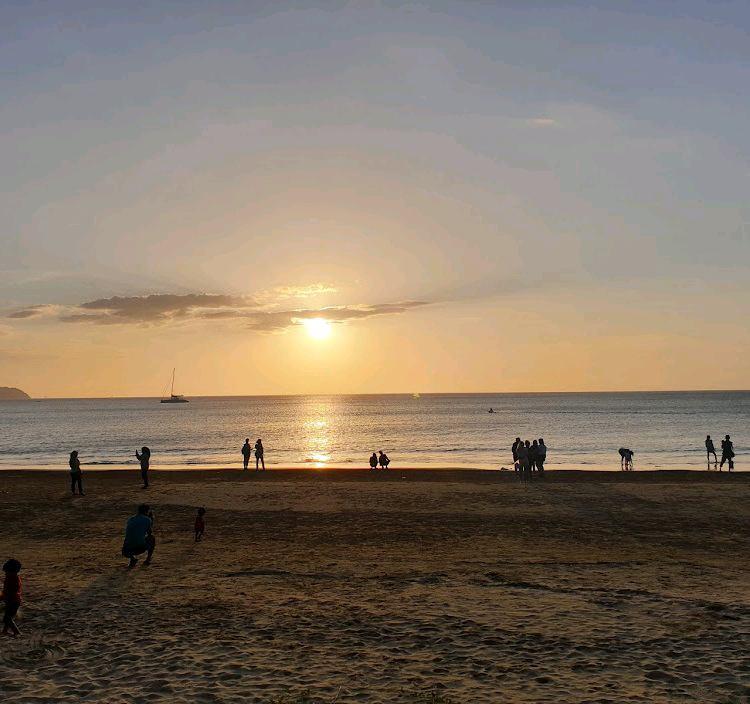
(155, 308)
(165, 308)
(30, 312)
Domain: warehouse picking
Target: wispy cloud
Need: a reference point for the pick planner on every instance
(277, 321)
(542, 122)
(287, 292)
(30, 312)
(160, 309)
(154, 308)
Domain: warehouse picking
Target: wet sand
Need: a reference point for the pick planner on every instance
(398, 586)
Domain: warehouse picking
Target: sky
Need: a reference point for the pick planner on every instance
(461, 196)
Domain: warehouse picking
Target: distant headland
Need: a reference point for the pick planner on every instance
(10, 393)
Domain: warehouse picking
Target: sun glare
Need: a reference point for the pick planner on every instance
(318, 328)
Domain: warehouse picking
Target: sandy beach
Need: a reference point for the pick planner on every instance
(398, 586)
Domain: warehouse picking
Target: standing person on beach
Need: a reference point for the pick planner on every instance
(246, 452)
(534, 455)
(727, 453)
(75, 473)
(139, 536)
(710, 450)
(522, 452)
(541, 457)
(145, 459)
(514, 449)
(11, 596)
(259, 455)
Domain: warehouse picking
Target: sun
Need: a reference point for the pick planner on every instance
(317, 328)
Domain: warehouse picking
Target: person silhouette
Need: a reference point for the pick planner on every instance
(259, 455)
(541, 456)
(139, 536)
(383, 460)
(247, 450)
(522, 453)
(75, 473)
(710, 450)
(534, 455)
(373, 461)
(514, 450)
(727, 453)
(626, 459)
(200, 524)
(11, 595)
(145, 459)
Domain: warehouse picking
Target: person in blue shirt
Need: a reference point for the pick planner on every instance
(139, 536)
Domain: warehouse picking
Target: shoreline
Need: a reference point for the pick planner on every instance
(412, 473)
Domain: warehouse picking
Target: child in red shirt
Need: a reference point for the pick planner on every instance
(11, 596)
(200, 524)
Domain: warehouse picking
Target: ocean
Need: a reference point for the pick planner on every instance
(581, 430)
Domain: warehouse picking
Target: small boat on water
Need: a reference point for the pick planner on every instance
(173, 397)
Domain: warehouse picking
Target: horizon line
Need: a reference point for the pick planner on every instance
(393, 393)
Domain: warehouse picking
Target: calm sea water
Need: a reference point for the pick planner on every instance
(666, 430)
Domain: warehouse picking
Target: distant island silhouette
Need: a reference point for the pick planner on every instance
(10, 393)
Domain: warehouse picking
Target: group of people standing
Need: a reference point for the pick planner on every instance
(247, 452)
(529, 456)
(727, 452)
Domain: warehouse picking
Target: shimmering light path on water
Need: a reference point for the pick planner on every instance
(666, 430)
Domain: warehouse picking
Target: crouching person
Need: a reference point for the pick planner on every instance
(139, 536)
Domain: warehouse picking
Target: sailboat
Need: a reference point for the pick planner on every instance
(173, 397)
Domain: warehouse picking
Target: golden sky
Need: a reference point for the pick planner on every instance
(464, 197)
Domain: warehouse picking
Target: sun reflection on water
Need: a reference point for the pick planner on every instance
(317, 439)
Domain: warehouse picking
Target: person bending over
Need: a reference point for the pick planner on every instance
(626, 459)
(139, 536)
(383, 460)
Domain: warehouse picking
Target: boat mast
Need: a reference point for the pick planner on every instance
(173, 371)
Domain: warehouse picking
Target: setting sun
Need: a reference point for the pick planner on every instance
(318, 328)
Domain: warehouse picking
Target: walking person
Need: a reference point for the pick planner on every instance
(259, 455)
(710, 450)
(11, 596)
(541, 457)
(144, 457)
(247, 451)
(75, 473)
(727, 453)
